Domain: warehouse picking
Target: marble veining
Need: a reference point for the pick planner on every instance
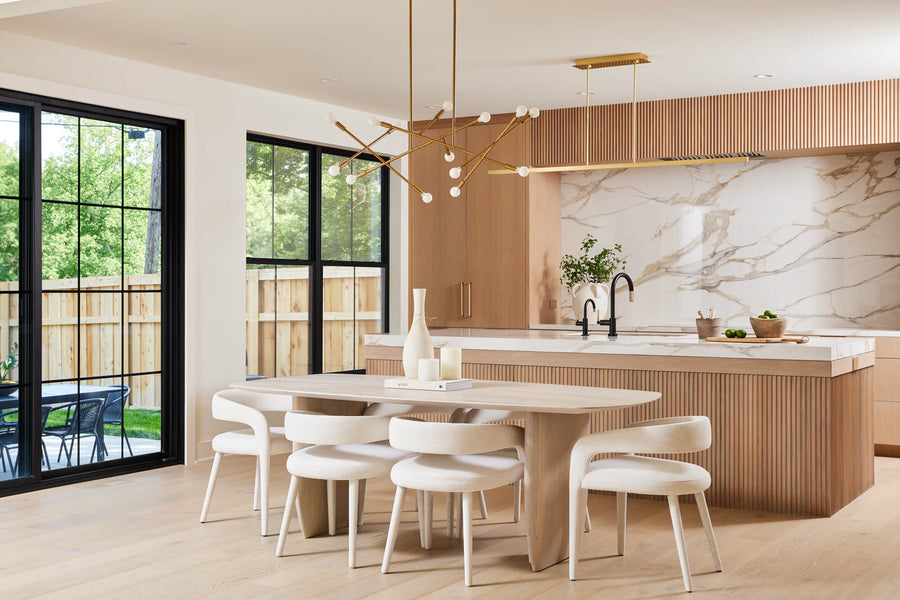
(816, 239)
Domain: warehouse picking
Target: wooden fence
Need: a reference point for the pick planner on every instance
(278, 318)
(277, 326)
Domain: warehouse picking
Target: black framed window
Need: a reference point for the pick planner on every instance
(102, 334)
(317, 264)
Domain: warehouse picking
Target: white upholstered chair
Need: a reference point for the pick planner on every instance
(259, 440)
(628, 473)
(345, 448)
(452, 457)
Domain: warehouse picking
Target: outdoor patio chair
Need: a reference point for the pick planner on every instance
(82, 420)
(114, 415)
(9, 438)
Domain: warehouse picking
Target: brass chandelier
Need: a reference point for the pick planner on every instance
(447, 140)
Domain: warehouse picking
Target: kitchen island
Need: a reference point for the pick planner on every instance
(792, 423)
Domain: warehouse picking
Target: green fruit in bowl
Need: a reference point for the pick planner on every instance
(770, 314)
(729, 333)
(762, 317)
(740, 333)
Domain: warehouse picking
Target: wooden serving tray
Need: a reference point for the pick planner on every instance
(756, 340)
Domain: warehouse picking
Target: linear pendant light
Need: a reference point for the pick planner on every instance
(618, 60)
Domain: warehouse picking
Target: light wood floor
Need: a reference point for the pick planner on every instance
(138, 536)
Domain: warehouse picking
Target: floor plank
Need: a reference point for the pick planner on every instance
(138, 536)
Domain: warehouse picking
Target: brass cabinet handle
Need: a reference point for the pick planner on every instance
(470, 299)
(462, 313)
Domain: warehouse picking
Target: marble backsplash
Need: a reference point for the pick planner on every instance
(815, 239)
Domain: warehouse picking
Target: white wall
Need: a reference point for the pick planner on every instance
(217, 117)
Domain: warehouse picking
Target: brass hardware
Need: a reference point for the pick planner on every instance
(611, 60)
(628, 165)
(462, 312)
(470, 299)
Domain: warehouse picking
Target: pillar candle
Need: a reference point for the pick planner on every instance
(429, 369)
(451, 363)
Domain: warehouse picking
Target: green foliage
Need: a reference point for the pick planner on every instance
(114, 171)
(10, 362)
(585, 268)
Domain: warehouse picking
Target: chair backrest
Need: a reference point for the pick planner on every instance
(87, 416)
(672, 435)
(115, 402)
(240, 407)
(331, 430)
(482, 415)
(453, 438)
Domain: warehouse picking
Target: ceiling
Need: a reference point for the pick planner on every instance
(509, 53)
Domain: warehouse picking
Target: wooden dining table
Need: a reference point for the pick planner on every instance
(555, 417)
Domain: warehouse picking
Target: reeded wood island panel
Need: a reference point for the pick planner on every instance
(801, 444)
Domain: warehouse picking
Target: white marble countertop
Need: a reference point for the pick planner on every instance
(669, 329)
(524, 340)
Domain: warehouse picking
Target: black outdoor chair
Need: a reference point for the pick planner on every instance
(114, 415)
(9, 438)
(82, 420)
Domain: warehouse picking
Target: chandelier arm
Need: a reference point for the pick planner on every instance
(438, 140)
(503, 134)
(452, 146)
(381, 160)
(481, 156)
(375, 141)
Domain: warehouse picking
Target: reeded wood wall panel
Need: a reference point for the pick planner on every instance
(801, 445)
(778, 121)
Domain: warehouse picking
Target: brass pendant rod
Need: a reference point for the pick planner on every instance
(512, 124)
(629, 165)
(378, 156)
(634, 113)
(508, 167)
(453, 84)
(375, 141)
(587, 115)
(410, 140)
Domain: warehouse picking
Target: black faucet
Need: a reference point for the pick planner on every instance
(612, 303)
(584, 322)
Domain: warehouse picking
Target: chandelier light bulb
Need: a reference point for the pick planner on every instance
(454, 191)
(522, 171)
(334, 170)
(426, 198)
(484, 117)
(521, 110)
(351, 179)
(449, 156)
(447, 105)
(534, 112)
(329, 118)
(455, 172)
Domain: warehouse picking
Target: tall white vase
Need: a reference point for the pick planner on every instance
(418, 341)
(598, 292)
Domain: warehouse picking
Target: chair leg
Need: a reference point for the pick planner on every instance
(46, 454)
(362, 502)
(352, 514)
(393, 529)
(675, 512)
(707, 526)
(577, 505)
(587, 518)
(428, 519)
(420, 514)
(517, 501)
(459, 515)
(332, 516)
(482, 505)
(264, 493)
(621, 507)
(451, 499)
(467, 536)
(127, 443)
(256, 487)
(289, 505)
(217, 460)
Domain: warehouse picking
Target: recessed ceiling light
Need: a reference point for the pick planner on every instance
(7, 1)
(764, 75)
(435, 106)
(183, 44)
(327, 79)
(589, 93)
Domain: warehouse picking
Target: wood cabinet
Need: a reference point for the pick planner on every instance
(887, 396)
(489, 258)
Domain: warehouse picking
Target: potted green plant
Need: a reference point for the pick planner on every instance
(586, 275)
(6, 366)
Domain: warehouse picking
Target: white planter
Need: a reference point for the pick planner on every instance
(418, 341)
(598, 292)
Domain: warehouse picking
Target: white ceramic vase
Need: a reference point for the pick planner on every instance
(418, 340)
(598, 292)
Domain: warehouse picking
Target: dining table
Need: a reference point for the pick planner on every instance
(555, 417)
(61, 393)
